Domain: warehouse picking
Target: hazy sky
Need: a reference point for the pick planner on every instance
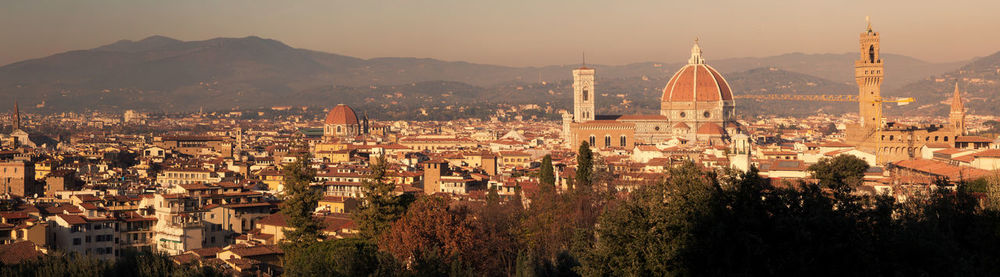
(513, 32)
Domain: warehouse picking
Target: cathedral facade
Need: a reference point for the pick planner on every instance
(696, 105)
(891, 141)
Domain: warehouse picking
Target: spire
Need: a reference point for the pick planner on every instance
(956, 101)
(696, 54)
(868, 21)
(17, 117)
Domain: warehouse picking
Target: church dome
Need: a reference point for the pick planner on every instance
(341, 114)
(697, 81)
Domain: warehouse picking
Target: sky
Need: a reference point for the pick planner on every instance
(515, 32)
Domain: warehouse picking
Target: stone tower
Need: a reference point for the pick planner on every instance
(868, 73)
(957, 115)
(583, 94)
(17, 117)
(567, 133)
(739, 152)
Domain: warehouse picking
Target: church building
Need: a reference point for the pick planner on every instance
(342, 122)
(696, 105)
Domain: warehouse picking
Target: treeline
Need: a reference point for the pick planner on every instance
(129, 263)
(695, 222)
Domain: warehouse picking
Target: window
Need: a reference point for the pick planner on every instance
(592, 140)
(622, 141)
(682, 114)
(586, 92)
(707, 114)
(76, 241)
(607, 141)
(871, 53)
(87, 239)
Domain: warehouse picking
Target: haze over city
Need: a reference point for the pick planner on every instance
(499, 139)
(514, 33)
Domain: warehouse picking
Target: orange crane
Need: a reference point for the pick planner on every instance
(821, 97)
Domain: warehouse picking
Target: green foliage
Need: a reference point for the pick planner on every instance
(700, 225)
(546, 174)
(584, 166)
(841, 173)
(344, 257)
(380, 206)
(140, 264)
(300, 201)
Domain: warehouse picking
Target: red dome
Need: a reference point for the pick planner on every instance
(341, 114)
(697, 82)
(710, 129)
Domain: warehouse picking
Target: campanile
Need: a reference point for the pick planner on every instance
(868, 73)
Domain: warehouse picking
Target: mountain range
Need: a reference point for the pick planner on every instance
(161, 74)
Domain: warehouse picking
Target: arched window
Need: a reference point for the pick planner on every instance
(871, 53)
(946, 138)
(338, 129)
(622, 141)
(586, 92)
(592, 140)
(607, 141)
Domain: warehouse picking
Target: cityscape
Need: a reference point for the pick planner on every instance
(247, 157)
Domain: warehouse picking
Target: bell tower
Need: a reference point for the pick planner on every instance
(957, 115)
(868, 74)
(583, 93)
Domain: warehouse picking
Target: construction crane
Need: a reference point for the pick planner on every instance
(821, 97)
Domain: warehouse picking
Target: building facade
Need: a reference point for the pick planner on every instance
(890, 141)
(696, 105)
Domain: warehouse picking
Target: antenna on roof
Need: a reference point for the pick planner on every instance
(584, 59)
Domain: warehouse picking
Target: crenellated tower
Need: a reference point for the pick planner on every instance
(868, 74)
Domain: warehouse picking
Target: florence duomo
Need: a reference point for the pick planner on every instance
(697, 105)
(464, 138)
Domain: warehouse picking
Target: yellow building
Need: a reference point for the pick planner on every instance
(338, 204)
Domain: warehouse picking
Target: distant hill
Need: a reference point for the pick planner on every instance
(979, 81)
(164, 74)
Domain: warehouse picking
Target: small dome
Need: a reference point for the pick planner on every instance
(341, 114)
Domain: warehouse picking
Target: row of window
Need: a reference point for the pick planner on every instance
(622, 141)
(928, 138)
(187, 175)
(98, 238)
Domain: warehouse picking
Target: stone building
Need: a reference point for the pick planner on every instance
(891, 141)
(696, 105)
(17, 178)
(342, 122)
